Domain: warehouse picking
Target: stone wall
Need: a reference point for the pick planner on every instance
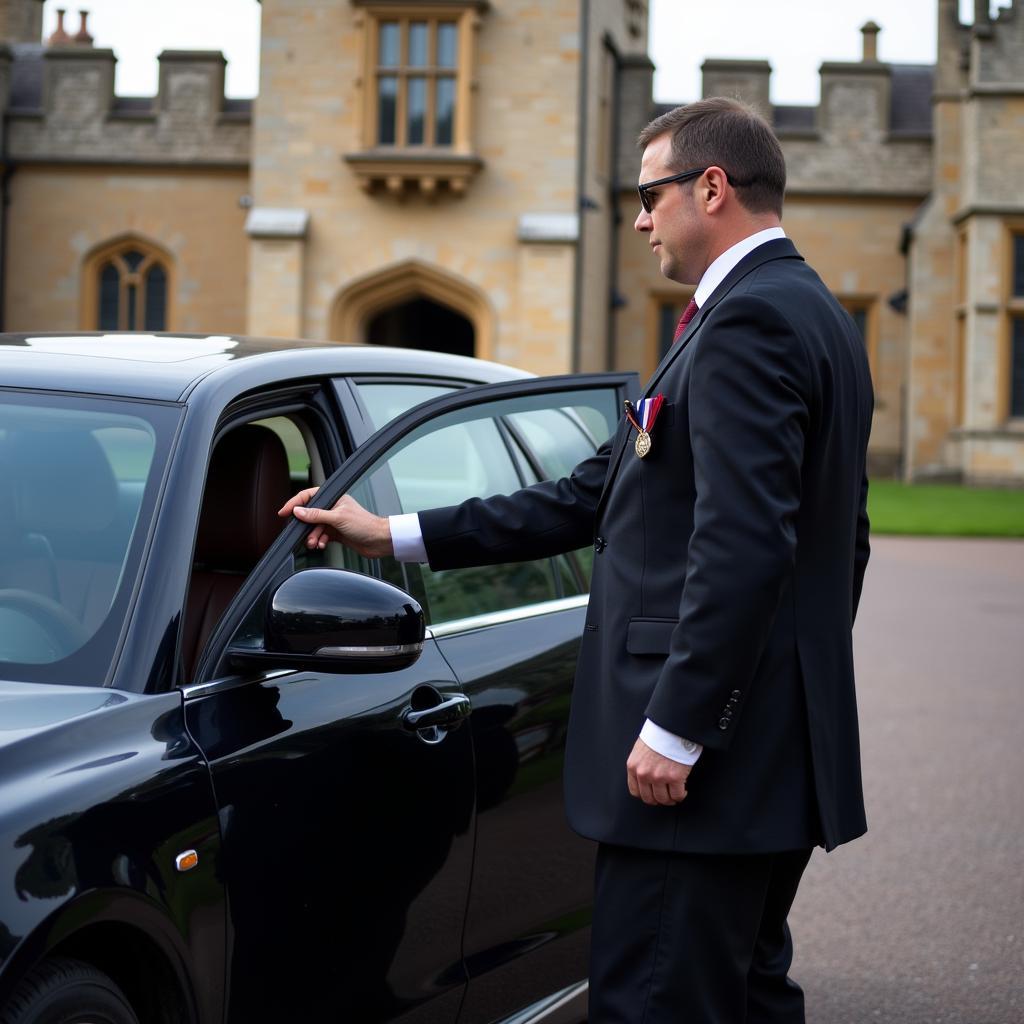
(854, 244)
(859, 168)
(849, 145)
(21, 21)
(958, 368)
(616, 46)
(88, 168)
(79, 119)
(519, 282)
(997, 57)
(59, 214)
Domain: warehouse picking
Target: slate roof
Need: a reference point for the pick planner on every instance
(910, 110)
(790, 118)
(26, 84)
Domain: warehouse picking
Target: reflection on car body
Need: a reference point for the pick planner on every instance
(364, 757)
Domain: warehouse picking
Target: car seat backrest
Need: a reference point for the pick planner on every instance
(247, 483)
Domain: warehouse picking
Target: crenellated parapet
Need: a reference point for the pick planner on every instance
(871, 133)
(997, 49)
(62, 107)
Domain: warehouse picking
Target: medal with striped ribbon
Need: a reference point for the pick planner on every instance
(642, 417)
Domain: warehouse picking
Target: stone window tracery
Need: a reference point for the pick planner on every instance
(126, 288)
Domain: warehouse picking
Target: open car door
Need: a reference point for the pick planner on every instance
(454, 878)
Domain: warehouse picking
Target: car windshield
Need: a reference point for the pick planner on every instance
(78, 484)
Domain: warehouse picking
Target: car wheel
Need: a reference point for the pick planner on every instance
(62, 991)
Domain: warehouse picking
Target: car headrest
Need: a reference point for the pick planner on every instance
(247, 483)
(60, 481)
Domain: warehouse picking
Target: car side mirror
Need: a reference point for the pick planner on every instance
(337, 621)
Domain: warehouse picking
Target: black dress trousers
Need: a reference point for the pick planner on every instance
(682, 938)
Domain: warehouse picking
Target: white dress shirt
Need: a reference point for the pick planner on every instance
(407, 537)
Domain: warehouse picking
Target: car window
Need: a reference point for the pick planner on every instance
(387, 400)
(78, 484)
(468, 452)
(472, 454)
(549, 444)
(296, 448)
(445, 467)
(559, 439)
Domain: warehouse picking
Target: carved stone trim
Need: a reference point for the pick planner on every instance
(404, 173)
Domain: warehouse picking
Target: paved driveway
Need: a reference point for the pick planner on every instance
(923, 918)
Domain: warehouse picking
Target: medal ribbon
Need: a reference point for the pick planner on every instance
(642, 417)
(648, 409)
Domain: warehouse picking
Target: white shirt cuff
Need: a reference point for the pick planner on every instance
(407, 538)
(669, 745)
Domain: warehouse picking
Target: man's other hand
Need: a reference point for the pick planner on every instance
(655, 779)
(347, 522)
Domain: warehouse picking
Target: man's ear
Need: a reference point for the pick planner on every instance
(713, 188)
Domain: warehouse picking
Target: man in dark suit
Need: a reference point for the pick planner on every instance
(713, 738)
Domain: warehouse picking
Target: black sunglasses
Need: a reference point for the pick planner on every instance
(645, 186)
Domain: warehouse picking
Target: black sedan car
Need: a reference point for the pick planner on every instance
(244, 781)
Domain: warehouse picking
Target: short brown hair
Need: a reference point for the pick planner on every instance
(731, 135)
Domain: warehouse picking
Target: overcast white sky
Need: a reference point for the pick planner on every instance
(794, 35)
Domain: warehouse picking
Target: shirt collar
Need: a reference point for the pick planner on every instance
(719, 270)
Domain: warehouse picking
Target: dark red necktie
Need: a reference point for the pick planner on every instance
(688, 314)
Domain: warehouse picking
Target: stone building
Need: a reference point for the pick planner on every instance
(460, 175)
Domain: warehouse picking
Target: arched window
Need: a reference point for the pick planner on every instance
(129, 289)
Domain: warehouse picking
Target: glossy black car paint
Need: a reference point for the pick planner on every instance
(99, 790)
(335, 844)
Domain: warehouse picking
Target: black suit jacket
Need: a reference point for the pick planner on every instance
(728, 570)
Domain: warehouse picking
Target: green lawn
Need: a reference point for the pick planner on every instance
(945, 510)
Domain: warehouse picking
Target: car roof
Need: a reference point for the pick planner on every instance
(168, 367)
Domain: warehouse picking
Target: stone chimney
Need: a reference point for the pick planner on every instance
(191, 85)
(745, 80)
(78, 85)
(870, 31)
(855, 95)
(21, 21)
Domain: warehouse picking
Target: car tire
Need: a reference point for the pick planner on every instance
(64, 991)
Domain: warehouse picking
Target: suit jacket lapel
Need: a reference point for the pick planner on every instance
(777, 249)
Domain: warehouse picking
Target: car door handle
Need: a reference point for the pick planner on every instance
(444, 715)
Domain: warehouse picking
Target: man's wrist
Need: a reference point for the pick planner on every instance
(405, 538)
(663, 742)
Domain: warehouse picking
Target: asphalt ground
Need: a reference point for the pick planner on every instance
(922, 919)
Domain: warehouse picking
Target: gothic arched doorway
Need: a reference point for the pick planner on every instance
(415, 305)
(423, 324)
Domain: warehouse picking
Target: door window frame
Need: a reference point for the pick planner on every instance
(213, 663)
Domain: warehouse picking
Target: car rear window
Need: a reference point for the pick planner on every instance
(78, 479)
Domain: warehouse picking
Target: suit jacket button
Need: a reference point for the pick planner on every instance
(723, 723)
(600, 544)
(736, 694)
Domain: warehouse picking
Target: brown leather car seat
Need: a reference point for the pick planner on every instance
(247, 483)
